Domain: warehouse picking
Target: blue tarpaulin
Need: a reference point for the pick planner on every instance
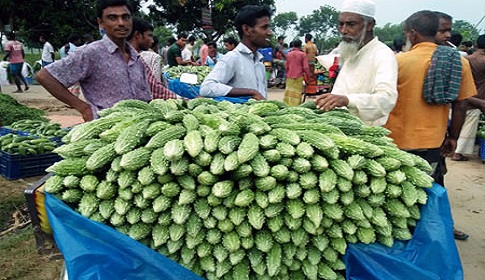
(92, 250)
(192, 91)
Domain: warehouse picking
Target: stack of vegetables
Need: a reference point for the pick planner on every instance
(242, 191)
(26, 145)
(38, 127)
(201, 72)
(11, 111)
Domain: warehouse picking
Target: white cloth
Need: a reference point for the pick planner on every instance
(361, 7)
(466, 141)
(3, 73)
(47, 51)
(154, 61)
(240, 68)
(186, 54)
(369, 80)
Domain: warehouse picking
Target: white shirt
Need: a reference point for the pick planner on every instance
(240, 68)
(47, 51)
(369, 80)
(186, 54)
(154, 61)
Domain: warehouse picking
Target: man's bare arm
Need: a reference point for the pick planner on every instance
(60, 92)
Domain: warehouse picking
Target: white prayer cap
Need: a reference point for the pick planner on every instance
(361, 7)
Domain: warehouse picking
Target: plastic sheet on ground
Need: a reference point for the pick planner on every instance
(430, 254)
(95, 251)
(192, 91)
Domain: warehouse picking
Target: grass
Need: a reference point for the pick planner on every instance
(19, 259)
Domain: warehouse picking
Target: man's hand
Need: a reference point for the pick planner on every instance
(256, 95)
(87, 114)
(330, 101)
(448, 147)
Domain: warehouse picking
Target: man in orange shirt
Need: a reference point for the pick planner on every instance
(417, 126)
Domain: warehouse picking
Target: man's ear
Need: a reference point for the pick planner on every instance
(246, 29)
(370, 25)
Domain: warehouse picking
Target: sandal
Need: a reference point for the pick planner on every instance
(459, 157)
(459, 235)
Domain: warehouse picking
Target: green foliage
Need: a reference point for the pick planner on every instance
(322, 24)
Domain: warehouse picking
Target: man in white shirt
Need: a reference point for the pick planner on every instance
(241, 73)
(367, 81)
(47, 51)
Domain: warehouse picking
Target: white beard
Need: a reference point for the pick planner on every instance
(348, 50)
(408, 45)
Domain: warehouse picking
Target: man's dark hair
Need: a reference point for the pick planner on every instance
(398, 43)
(424, 22)
(11, 36)
(155, 40)
(281, 37)
(182, 35)
(297, 43)
(103, 4)
(171, 41)
(481, 42)
(212, 44)
(141, 26)
(444, 16)
(74, 37)
(467, 44)
(191, 39)
(308, 37)
(231, 40)
(248, 15)
(456, 38)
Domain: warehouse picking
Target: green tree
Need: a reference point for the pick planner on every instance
(466, 29)
(388, 33)
(186, 15)
(56, 18)
(284, 22)
(322, 24)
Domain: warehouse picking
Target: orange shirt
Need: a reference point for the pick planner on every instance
(311, 52)
(415, 124)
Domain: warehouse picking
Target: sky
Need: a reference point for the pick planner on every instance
(396, 11)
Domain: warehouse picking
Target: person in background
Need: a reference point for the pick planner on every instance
(367, 81)
(14, 53)
(74, 41)
(170, 42)
(230, 43)
(311, 51)
(419, 121)
(397, 45)
(455, 41)
(278, 51)
(213, 56)
(466, 141)
(141, 38)
(174, 53)
(187, 54)
(467, 46)
(296, 66)
(153, 59)
(48, 54)
(204, 51)
(241, 72)
(108, 69)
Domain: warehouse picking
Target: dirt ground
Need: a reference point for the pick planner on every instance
(464, 181)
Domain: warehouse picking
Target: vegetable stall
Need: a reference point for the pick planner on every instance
(174, 189)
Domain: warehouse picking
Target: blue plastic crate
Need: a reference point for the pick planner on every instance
(481, 149)
(267, 53)
(17, 166)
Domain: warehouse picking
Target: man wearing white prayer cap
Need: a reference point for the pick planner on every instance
(367, 79)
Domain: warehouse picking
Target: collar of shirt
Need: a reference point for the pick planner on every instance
(255, 56)
(112, 47)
